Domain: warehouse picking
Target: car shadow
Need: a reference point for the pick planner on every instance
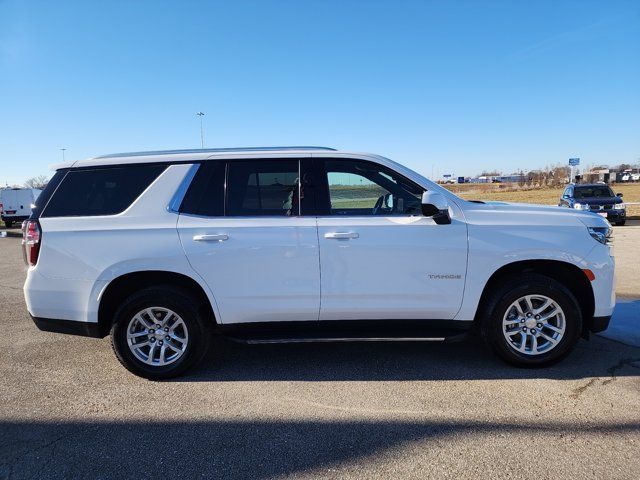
(625, 323)
(468, 360)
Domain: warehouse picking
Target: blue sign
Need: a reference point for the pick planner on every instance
(574, 161)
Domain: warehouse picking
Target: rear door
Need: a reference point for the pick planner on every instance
(244, 231)
(380, 257)
(10, 202)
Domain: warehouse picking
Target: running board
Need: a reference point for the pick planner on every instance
(267, 341)
(346, 331)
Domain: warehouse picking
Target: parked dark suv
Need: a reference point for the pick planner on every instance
(597, 198)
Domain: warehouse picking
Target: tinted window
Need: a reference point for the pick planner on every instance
(364, 188)
(206, 193)
(593, 192)
(262, 187)
(100, 191)
(43, 198)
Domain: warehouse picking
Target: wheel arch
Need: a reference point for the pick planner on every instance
(121, 287)
(566, 273)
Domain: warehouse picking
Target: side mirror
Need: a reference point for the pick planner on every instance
(435, 205)
(619, 195)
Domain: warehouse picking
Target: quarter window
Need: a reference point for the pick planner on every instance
(100, 191)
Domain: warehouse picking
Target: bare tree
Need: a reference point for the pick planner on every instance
(37, 182)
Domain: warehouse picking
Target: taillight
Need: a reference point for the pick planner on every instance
(30, 241)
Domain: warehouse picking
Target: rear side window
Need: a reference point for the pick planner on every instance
(263, 187)
(100, 191)
(206, 193)
(44, 197)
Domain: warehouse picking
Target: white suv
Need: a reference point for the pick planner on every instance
(302, 244)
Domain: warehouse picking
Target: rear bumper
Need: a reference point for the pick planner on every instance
(70, 327)
(13, 218)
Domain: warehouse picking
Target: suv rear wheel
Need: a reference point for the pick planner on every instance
(158, 333)
(532, 321)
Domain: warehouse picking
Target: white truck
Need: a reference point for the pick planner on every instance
(15, 204)
(304, 244)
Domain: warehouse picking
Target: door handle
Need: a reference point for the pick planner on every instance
(341, 235)
(219, 237)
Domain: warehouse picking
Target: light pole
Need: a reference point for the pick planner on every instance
(63, 150)
(201, 114)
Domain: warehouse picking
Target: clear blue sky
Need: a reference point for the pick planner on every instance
(453, 86)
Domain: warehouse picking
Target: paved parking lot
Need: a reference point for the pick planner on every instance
(68, 410)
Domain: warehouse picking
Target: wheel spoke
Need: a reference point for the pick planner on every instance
(152, 352)
(514, 332)
(547, 337)
(136, 334)
(543, 307)
(166, 318)
(549, 315)
(143, 320)
(149, 311)
(553, 328)
(177, 337)
(529, 304)
(518, 308)
(141, 344)
(173, 346)
(523, 343)
(161, 358)
(534, 344)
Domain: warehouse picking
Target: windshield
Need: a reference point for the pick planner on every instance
(594, 191)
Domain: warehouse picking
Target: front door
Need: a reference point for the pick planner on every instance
(247, 238)
(380, 258)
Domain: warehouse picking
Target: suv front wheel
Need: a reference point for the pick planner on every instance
(158, 333)
(532, 321)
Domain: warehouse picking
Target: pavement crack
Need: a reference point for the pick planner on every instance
(624, 362)
(580, 390)
(612, 371)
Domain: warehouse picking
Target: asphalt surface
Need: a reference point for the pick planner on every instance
(69, 410)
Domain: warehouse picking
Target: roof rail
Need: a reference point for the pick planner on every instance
(209, 150)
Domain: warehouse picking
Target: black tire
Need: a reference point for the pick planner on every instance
(515, 287)
(8, 223)
(620, 224)
(180, 302)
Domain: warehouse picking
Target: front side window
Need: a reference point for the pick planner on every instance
(100, 191)
(359, 187)
(263, 187)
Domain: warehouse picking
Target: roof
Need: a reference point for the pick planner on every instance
(598, 184)
(211, 150)
(190, 155)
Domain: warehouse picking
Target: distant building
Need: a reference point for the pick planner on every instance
(599, 175)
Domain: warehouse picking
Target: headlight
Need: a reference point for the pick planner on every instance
(581, 206)
(619, 206)
(601, 234)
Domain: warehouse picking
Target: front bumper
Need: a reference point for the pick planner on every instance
(615, 215)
